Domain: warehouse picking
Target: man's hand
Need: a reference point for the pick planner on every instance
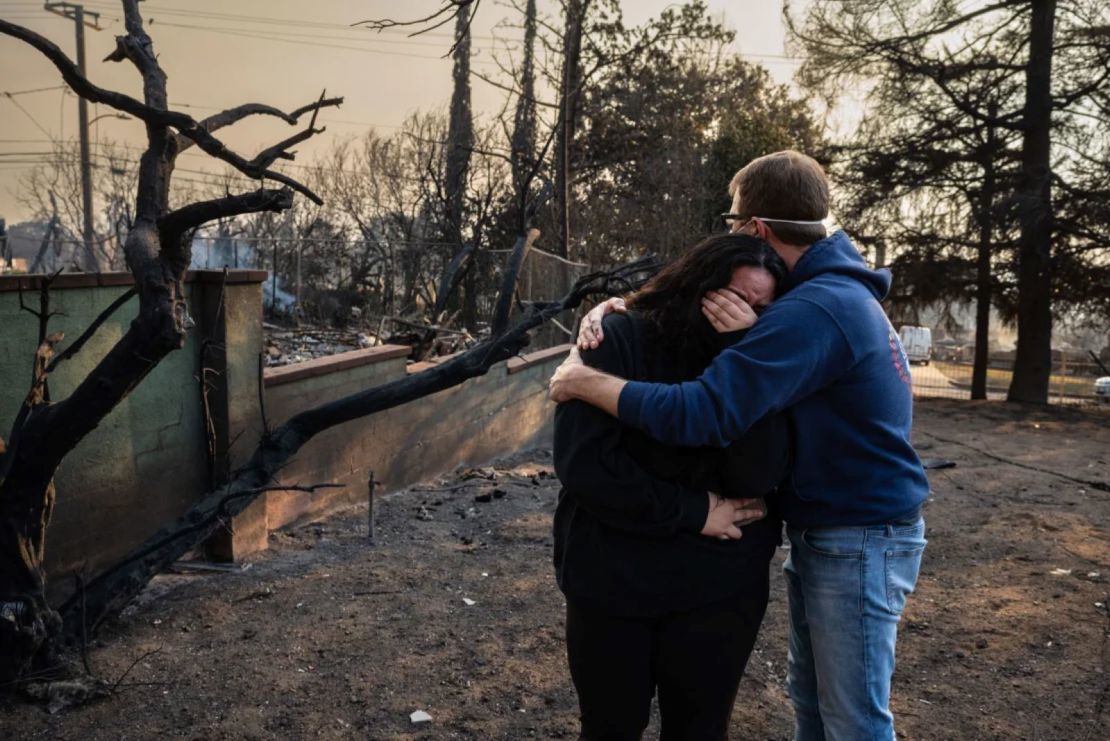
(725, 310)
(561, 387)
(576, 380)
(590, 334)
(727, 516)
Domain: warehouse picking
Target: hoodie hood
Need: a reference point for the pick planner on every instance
(837, 254)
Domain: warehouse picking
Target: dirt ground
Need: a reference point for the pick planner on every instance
(328, 637)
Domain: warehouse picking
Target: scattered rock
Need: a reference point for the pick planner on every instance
(419, 717)
(68, 693)
(478, 473)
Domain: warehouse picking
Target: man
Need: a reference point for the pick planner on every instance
(827, 352)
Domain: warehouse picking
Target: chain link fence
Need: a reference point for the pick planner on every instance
(949, 376)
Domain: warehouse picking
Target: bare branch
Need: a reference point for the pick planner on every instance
(508, 283)
(230, 116)
(267, 156)
(77, 344)
(184, 123)
(444, 15)
(176, 223)
(509, 89)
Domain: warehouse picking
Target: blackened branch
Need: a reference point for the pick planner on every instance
(185, 124)
(267, 156)
(233, 115)
(176, 223)
(445, 14)
(75, 346)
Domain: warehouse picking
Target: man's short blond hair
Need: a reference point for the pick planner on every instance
(784, 185)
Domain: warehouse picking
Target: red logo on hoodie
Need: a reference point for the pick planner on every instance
(898, 356)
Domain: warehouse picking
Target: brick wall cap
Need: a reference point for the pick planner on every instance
(31, 281)
(516, 365)
(332, 364)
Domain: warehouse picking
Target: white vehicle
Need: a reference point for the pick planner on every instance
(1102, 388)
(918, 344)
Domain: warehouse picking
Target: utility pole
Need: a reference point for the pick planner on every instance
(5, 251)
(81, 18)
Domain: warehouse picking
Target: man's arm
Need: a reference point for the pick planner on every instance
(606, 481)
(729, 315)
(795, 349)
(576, 380)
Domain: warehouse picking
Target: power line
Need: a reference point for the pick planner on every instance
(28, 115)
(28, 92)
(265, 37)
(329, 37)
(258, 20)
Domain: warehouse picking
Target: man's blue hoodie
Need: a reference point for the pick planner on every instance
(826, 351)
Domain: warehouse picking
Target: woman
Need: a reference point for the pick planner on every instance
(663, 595)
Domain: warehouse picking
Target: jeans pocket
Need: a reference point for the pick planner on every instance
(902, 567)
(835, 542)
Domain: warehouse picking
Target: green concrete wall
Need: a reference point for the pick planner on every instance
(141, 467)
(472, 423)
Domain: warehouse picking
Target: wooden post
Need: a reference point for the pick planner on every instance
(370, 513)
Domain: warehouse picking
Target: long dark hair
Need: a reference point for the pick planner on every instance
(670, 302)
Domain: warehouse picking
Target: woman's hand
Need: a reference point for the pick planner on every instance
(589, 332)
(725, 310)
(727, 516)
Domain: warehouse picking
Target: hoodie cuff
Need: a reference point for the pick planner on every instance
(630, 403)
(695, 511)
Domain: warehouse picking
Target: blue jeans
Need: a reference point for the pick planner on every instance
(847, 587)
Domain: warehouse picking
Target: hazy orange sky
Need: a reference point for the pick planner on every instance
(282, 52)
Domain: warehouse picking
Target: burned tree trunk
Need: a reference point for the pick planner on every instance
(565, 127)
(157, 250)
(523, 143)
(983, 277)
(460, 144)
(1033, 363)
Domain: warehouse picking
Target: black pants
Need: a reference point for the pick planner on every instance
(694, 659)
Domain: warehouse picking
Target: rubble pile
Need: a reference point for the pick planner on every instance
(286, 345)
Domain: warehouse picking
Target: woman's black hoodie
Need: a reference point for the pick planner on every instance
(628, 525)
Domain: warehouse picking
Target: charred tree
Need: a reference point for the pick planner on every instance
(1033, 363)
(523, 143)
(460, 144)
(158, 254)
(33, 636)
(570, 91)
